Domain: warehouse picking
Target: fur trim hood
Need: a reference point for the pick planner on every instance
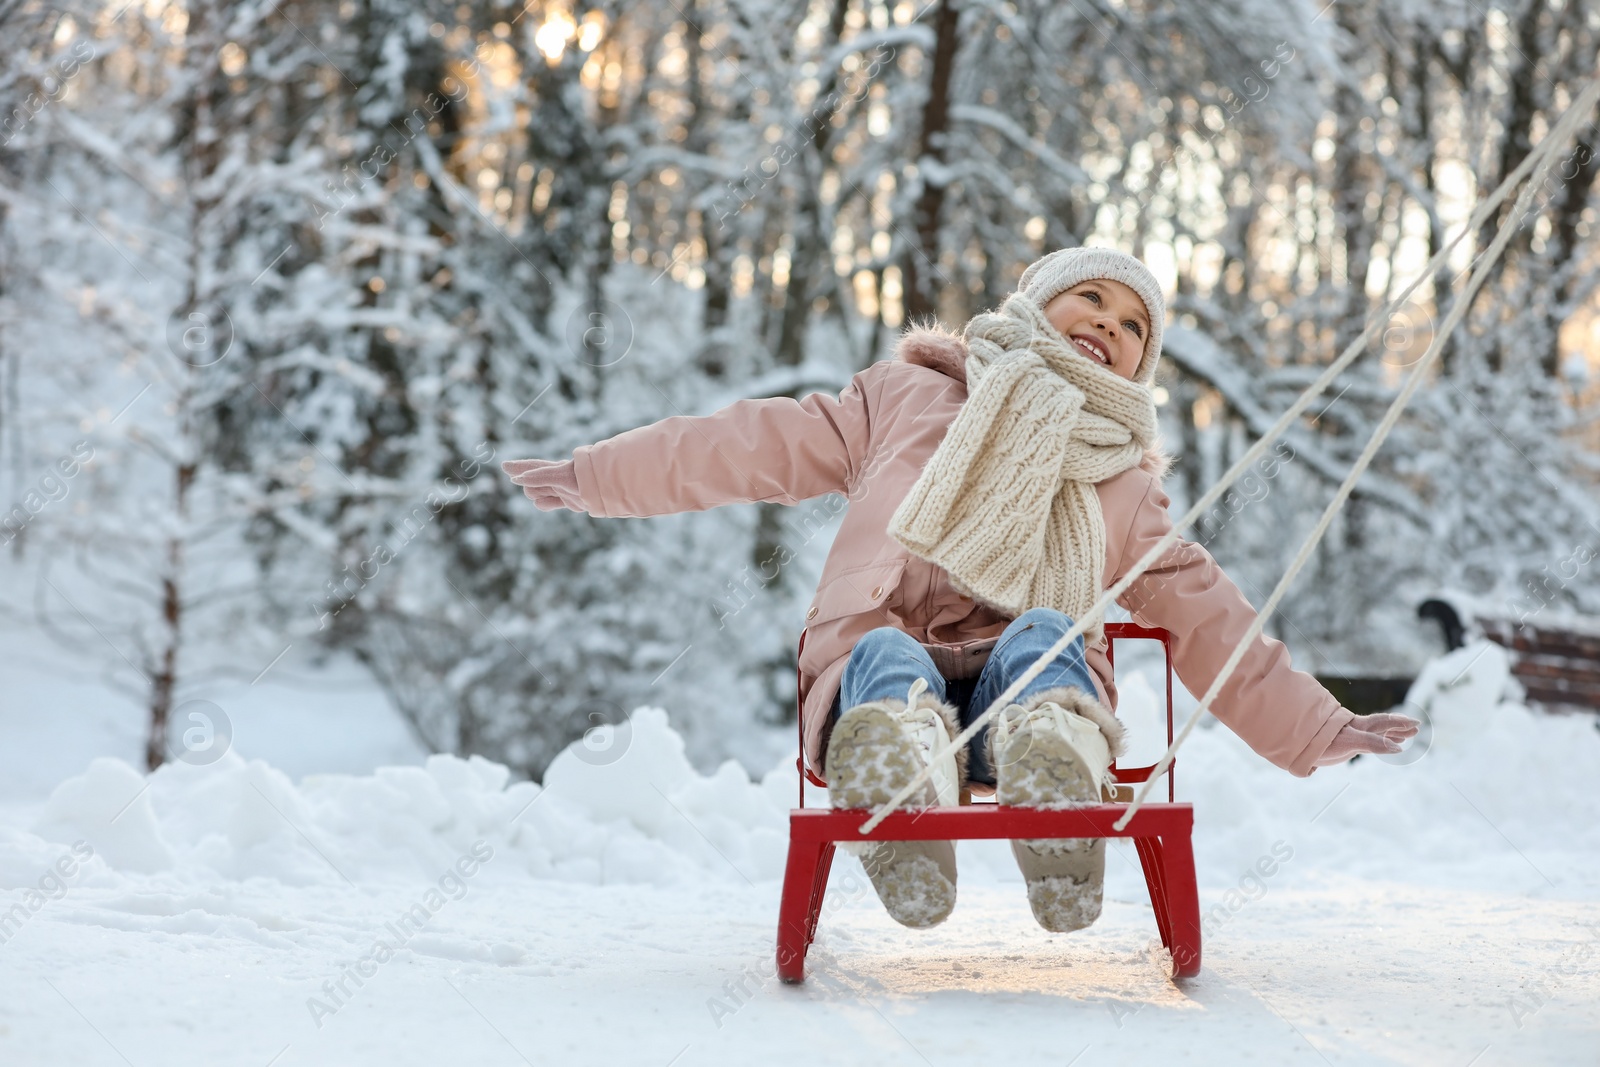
(937, 347)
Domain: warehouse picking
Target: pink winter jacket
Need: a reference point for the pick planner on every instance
(870, 443)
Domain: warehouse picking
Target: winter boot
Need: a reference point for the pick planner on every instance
(1055, 750)
(875, 751)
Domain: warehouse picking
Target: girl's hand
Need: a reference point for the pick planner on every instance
(549, 483)
(1369, 734)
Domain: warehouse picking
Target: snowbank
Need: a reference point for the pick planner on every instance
(644, 816)
(1471, 800)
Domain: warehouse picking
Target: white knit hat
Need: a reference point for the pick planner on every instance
(1059, 271)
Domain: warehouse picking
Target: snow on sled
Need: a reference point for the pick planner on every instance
(1162, 834)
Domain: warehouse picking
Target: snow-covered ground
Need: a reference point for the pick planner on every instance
(1436, 909)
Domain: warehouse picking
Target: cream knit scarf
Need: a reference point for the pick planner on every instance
(1007, 504)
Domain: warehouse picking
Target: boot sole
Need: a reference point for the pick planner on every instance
(1065, 876)
(870, 760)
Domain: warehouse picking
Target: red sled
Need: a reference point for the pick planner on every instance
(1162, 834)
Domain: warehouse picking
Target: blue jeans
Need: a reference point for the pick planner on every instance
(886, 661)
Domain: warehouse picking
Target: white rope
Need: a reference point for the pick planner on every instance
(1542, 157)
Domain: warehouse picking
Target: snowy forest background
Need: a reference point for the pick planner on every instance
(281, 283)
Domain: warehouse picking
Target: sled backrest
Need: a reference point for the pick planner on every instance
(1133, 631)
(1114, 631)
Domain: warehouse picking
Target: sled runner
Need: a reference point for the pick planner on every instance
(1160, 832)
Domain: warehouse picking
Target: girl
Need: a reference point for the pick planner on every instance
(999, 480)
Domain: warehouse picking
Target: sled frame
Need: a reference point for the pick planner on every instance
(1162, 834)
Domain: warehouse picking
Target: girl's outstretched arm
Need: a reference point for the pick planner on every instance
(1284, 714)
(773, 449)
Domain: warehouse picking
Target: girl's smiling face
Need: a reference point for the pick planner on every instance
(1104, 320)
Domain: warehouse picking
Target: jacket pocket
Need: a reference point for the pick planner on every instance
(856, 590)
